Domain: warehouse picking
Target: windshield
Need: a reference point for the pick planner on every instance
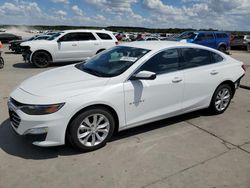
(55, 36)
(112, 62)
(188, 35)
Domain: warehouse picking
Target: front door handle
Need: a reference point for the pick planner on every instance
(176, 80)
(214, 72)
(74, 44)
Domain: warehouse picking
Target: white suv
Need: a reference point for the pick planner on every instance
(67, 46)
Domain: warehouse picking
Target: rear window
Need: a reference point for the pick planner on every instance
(206, 36)
(215, 58)
(221, 35)
(104, 36)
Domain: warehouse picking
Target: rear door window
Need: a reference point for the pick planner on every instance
(194, 57)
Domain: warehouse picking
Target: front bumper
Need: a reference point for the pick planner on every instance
(43, 130)
(26, 56)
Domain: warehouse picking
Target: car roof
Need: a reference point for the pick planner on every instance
(156, 45)
(87, 30)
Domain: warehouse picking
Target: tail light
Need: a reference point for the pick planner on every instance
(244, 67)
(116, 42)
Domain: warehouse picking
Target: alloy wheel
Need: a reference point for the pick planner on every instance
(222, 99)
(93, 130)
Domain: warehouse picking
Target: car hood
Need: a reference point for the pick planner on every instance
(16, 41)
(36, 42)
(62, 83)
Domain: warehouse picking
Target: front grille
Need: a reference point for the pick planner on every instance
(14, 118)
(16, 103)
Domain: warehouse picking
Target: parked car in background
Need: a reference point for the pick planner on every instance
(213, 39)
(15, 44)
(6, 37)
(68, 46)
(247, 42)
(126, 86)
(237, 42)
(148, 39)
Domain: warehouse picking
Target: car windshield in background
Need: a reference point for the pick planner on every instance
(54, 36)
(188, 35)
(112, 62)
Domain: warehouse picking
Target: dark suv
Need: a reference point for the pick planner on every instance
(213, 39)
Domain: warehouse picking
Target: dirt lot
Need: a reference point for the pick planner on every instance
(193, 150)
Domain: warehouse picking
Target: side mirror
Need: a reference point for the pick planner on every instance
(144, 75)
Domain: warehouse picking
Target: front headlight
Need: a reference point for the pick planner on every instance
(41, 109)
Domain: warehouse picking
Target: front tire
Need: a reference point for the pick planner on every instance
(91, 129)
(221, 99)
(41, 59)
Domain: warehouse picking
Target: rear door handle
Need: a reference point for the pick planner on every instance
(74, 44)
(214, 72)
(176, 80)
(96, 44)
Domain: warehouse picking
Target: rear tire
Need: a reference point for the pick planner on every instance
(1, 63)
(221, 99)
(41, 59)
(222, 49)
(248, 47)
(91, 129)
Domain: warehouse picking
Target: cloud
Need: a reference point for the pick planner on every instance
(61, 13)
(221, 14)
(115, 6)
(60, 1)
(217, 14)
(77, 10)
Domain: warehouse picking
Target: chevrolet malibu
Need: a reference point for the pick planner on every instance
(123, 87)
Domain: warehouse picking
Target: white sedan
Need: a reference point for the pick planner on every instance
(123, 87)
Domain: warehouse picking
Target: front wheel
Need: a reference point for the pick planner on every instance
(41, 59)
(91, 129)
(221, 99)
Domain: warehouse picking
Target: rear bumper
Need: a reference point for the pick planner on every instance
(237, 82)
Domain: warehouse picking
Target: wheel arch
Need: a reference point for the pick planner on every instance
(109, 108)
(222, 44)
(230, 83)
(100, 50)
(41, 50)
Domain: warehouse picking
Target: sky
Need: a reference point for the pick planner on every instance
(197, 14)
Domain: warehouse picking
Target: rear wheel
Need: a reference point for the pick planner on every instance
(41, 59)
(1, 63)
(221, 99)
(248, 47)
(222, 49)
(91, 129)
